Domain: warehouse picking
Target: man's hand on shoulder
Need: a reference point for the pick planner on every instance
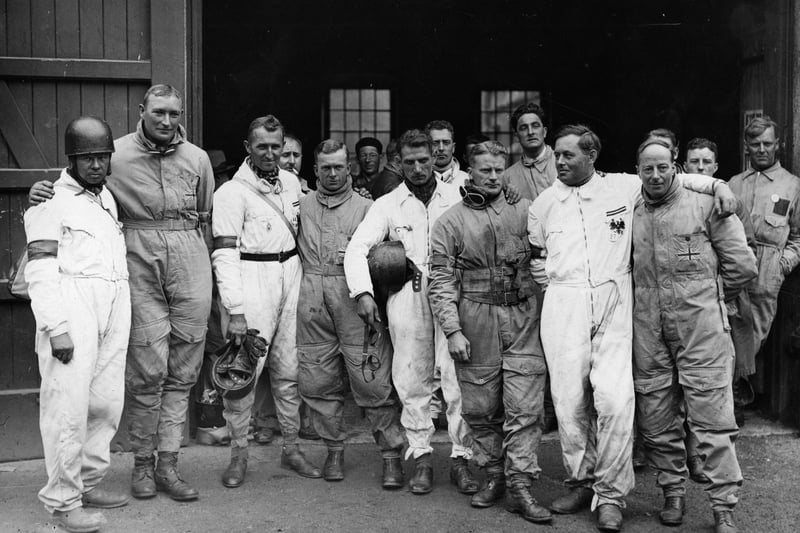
(41, 191)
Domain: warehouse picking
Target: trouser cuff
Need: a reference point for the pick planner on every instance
(334, 445)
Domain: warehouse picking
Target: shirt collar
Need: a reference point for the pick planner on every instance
(586, 191)
(151, 147)
(449, 173)
(769, 173)
(546, 154)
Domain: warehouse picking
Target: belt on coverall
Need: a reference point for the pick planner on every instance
(167, 224)
(280, 256)
(495, 286)
(324, 270)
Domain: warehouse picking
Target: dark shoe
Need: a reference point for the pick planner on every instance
(392, 474)
(293, 459)
(104, 499)
(264, 436)
(672, 513)
(142, 480)
(169, 480)
(422, 482)
(461, 477)
(575, 500)
(212, 436)
(333, 471)
(492, 490)
(738, 414)
(308, 433)
(609, 517)
(520, 501)
(695, 465)
(639, 456)
(234, 474)
(723, 522)
(79, 521)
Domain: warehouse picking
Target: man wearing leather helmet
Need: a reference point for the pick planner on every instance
(78, 284)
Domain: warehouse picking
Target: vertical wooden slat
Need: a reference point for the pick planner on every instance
(45, 119)
(26, 366)
(5, 245)
(138, 29)
(92, 95)
(91, 29)
(19, 31)
(115, 30)
(68, 43)
(43, 27)
(116, 108)
(135, 93)
(3, 28)
(168, 41)
(22, 93)
(69, 107)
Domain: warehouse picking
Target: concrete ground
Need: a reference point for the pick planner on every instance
(276, 500)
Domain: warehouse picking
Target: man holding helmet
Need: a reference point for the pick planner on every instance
(78, 284)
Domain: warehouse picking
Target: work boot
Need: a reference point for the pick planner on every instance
(79, 521)
(723, 522)
(639, 456)
(422, 482)
(263, 436)
(234, 474)
(520, 501)
(213, 436)
(169, 480)
(142, 484)
(392, 473)
(309, 433)
(104, 499)
(332, 470)
(461, 477)
(609, 517)
(293, 459)
(492, 490)
(576, 499)
(672, 513)
(695, 466)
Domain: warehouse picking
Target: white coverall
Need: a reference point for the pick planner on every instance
(264, 291)
(419, 344)
(84, 292)
(453, 175)
(586, 325)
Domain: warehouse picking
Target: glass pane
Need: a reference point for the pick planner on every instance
(383, 121)
(517, 99)
(384, 139)
(351, 121)
(502, 101)
(487, 127)
(367, 121)
(337, 99)
(350, 139)
(351, 98)
(487, 100)
(383, 99)
(367, 99)
(337, 134)
(535, 97)
(337, 120)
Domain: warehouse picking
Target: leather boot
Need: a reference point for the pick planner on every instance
(293, 459)
(723, 522)
(672, 513)
(104, 499)
(695, 466)
(461, 477)
(392, 473)
(422, 482)
(169, 480)
(79, 521)
(576, 499)
(234, 474)
(609, 517)
(333, 468)
(142, 480)
(521, 501)
(492, 490)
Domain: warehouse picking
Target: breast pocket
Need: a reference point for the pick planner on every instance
(689, 251)
(405, 234)
(80, 247)
(186, 190)
(554, 242)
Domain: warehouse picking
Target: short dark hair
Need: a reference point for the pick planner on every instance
(587, 139)
(392, 150)
(524, 109)
(664, 133)
(487, 147)
(440, 125)
(476, 138)
(699, 143)
(161, 89)
(331, 146)
(292, 136)
(657, 140)
(415, 139)
(269, 123)
(759, 125)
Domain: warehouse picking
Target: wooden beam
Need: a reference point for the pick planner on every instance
(23, 178)
(169, 41)
(17, 134)
(75, 69)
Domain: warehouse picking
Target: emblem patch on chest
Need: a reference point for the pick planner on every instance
(616, 224)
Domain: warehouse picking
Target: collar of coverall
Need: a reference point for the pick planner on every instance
(336, 198)
(767, 171)
(152, 148)
(547, 152)
(475, 199)
(672, 193)
(562, 191)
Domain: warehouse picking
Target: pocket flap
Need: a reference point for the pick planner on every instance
(528, 365)
(703, 379)
(775, 221)
(652, 384)
(148, 334)
(189, 332)
(477, 374)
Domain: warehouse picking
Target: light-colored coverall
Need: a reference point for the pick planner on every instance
(330, 334)
(84, 292)
(481, 284)
(419, 343)
(771, 197)
(164, 200)
(531, 177)
(453, 175)
(684, 257)
(264, 291)
(586, 323)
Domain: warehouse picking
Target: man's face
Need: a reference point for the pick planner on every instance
(486, 173)
(369, 159)
(762, 149)
(264, 148)
(160, 118)
(291, 157)
(701, 161)
(573, 165)
(332, 170)
(93, 168)
(443, 147)
(417, 164)
(656, 170)
(531, 132)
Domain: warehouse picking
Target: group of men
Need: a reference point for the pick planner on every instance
(408, 279)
